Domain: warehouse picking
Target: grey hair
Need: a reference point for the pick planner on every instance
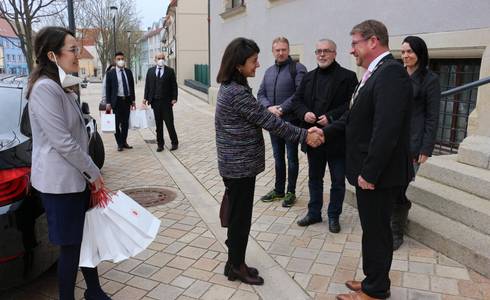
(325, 40)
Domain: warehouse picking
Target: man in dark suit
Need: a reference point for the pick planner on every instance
(120, 97)
(322, 97)
(378, 161)
(161, 93)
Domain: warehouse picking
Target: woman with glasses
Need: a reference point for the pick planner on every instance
(239, 120)
(425, 114)
(62, 171)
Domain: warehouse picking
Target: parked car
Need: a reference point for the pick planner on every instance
(25, 250)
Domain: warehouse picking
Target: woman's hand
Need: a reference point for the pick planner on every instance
(97, 184)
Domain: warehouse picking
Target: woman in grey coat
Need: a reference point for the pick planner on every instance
(62, 170)
(239, 120)
(423, 126)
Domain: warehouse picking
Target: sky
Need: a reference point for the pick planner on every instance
(150, 11)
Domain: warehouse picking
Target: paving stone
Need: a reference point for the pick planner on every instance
(198, 274)
(144, 270)
(399, 265)
(111, 287)
(160, 259)
(197, 289)
(469, 289)
(444, 285)
(127, 265)
(348, 263)
(418, 267)
(422, 295)
(142, 283)
(452, 272)
(175, 247)
(181, 263)
(299, 265)
(145, 254)
(322, 269)
(218, 292)
(118, 276)
(337, 288)
(280, 249)
(129, 293)
(206, 264)
(192, 252)
(330, 258)
(302, 279)
(341, 275)
(416, 281)
(165, 292)
(243, 295)
(166, 274)
(329, 247)
(318, 283)
(189, 237)
(305, 253)
(183, 282)
(157, 246)
(203, 242)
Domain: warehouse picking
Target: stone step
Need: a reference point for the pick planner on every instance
(453, 239)
(455, 204)
(447, 170)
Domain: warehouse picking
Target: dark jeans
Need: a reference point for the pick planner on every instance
(317, 162)
(279, 146)
(240, 196)
(163, 112)
(375, 208)
(121, 111)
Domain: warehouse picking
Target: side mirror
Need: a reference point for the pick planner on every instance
(85, 108)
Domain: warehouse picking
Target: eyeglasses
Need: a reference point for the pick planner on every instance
(74, 50)
(324, 51)
(354, 43)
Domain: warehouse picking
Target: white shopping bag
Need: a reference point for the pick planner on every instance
(135, 216)
(141, 117)
(108, 122)
(134, 122)
(150, 117)
(89, 255)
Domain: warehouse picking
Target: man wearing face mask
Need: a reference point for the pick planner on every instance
(161, 94)
(120, 98)
(323, 97)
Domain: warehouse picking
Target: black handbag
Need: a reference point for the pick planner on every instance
(102, 105)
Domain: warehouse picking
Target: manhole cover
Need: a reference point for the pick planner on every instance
(148, 197)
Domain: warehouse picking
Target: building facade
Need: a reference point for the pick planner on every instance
(13, 59)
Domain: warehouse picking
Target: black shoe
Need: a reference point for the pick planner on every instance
(334, 225)
(159, 149)
(307, 220)
(126, 146)
(244, 276)
(251, 270)
(100, 295)
(119, 148)
(174, 147)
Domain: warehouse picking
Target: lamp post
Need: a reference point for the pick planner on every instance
(128, 32)
(114, 12)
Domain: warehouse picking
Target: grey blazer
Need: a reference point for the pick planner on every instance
(60, 160)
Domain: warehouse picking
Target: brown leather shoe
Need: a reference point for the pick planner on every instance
(251, 270)
(244, 276)
(353, 285)
(359, 295)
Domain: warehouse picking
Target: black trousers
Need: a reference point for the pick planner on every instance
(241, 197)
(164, 113)
(375, 208)
(121, 111)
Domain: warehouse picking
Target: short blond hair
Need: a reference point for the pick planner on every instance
(371, 28)
(280, 39)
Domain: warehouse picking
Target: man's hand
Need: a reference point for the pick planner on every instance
(363, 184)
(315, 137)
(422, 158)
(133, 105)
(145, 102)
(322, 120)
(275, 110)
(173, 102)
(108, 108)
(310, 117)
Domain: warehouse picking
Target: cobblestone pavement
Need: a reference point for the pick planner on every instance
(187, 258)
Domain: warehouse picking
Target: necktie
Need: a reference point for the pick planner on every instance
(365, 77)
(125, 84)
(159, 72)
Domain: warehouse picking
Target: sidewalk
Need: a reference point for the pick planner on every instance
(186, 260)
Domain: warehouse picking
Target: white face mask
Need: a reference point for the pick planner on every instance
(161, 62)
(121, 63)
(66, 80)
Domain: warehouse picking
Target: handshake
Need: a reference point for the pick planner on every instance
(315, 137)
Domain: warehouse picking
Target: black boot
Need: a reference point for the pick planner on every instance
(398, 223)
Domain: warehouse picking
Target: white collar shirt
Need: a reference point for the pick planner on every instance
(162, 69)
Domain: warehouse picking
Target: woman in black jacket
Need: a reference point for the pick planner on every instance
(425, 114)
(239, 120)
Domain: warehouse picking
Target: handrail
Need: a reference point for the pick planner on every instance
(466, 87)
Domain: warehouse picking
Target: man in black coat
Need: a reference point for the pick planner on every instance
(161, 93)
(120, 97)
(322, 97)
(378, 160)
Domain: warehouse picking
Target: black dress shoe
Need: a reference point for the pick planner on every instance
(119, 148)
(126, 146)
(251, 270)
(174, 147)
(244, 276)
(159, 149)
(334, 225)
(99, 295)
(307, 220)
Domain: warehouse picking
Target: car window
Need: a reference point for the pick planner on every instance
(11, 105)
